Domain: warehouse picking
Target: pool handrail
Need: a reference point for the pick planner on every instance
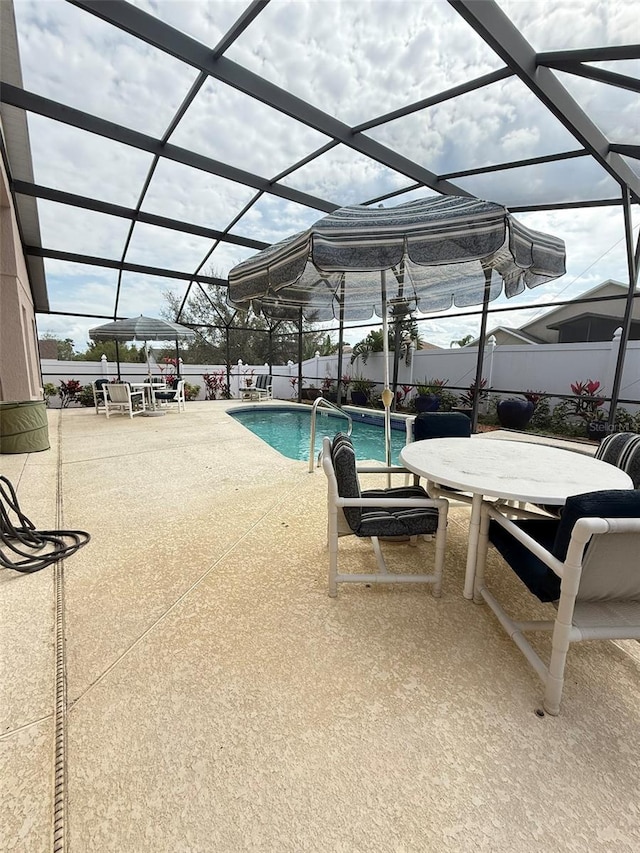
(326, 404)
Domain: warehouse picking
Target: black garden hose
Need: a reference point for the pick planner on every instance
(18, 542)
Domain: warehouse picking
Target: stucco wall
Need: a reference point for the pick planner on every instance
(19, 362)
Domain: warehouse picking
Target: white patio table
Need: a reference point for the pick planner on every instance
(148, 388)
(511, 470)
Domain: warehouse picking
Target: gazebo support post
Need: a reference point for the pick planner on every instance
(632, 264)
(479, 364)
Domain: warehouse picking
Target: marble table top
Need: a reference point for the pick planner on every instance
(510, 469)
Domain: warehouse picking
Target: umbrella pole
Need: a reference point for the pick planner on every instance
(387, 396)
(300, 356)
(340, 346)
(118, 359)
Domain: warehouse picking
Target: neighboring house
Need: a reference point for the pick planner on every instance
(572, 323)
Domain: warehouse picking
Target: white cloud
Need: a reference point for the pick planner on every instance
(352, 59)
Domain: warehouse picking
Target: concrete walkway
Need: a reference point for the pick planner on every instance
(216, 700)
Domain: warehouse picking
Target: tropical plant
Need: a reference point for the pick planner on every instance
(215, 383)
(328, 385)
(468, 398)
(431, 387)
(373, 342)
(533, 397)
(85, 397)
(69, 391)
(462, 342)
(586, 404)
(49, 390)
(359, 383)
(191, 391)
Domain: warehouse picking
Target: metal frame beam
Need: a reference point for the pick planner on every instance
(160, 35)
(601, 75)
(85, 121)
(86, 203)
(491, 23)
(90, 260)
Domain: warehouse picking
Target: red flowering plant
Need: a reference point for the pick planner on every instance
(69, 392)
(402, 393)
(215, 384)
(586, 404)
(533, 397)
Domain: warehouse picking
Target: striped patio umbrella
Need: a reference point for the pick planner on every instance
(142, 329)
(424, 255)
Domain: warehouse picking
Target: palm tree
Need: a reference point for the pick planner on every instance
(462, 342)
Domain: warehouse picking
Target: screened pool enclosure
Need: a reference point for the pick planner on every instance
(151, 147)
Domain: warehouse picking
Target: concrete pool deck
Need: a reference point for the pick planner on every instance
(217, 700)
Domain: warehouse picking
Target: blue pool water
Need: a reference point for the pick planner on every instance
(288, 430)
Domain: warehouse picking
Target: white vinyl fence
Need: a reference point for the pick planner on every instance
(550, 368)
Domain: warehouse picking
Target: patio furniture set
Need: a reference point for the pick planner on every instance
(137, 398)
(260, 388)
(583, 563)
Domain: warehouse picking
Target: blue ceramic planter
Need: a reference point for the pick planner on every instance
(515, 414)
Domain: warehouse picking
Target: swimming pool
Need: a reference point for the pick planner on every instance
(288, 430)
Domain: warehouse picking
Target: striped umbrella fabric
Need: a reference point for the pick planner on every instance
(435, 249)
(424, 255)
(141, 329)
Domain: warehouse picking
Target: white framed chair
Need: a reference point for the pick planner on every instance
(119, 397)
(170, 396)
(99, 394)
(585, 564)
(406, 511)
(263, 384)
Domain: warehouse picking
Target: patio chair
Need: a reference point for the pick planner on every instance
(99, 393)
(404, 512)
(263, 385)
(622, 449)
(428, 425)
(585, 564)
(170, 396)
(120, 398)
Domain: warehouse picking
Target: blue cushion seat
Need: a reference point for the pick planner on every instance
(441, 425)
(378, 521)
(555, 535)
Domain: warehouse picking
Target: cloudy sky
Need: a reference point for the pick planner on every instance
(353, 59)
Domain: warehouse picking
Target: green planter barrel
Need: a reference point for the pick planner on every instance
(23, 427)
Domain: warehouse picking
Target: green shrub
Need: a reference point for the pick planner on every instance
(85, 397)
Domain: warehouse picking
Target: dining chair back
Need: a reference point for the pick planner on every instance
(99, 393)
(167, 397)
(622, 449)
(403, 512)
(585, 564)
(120, 398)
(428, 425)
(438, 425)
